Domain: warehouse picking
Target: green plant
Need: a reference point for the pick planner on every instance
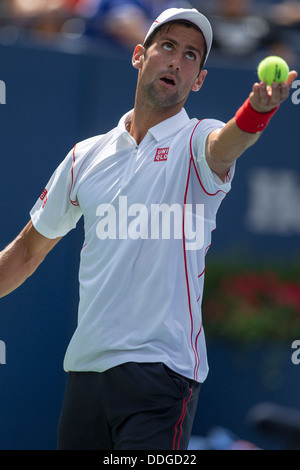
(252, 306)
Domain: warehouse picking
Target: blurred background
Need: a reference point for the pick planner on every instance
(66, 67)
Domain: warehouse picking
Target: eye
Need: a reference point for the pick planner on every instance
(190, 55)
(167, 46)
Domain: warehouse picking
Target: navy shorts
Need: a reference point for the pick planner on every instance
(134, 406)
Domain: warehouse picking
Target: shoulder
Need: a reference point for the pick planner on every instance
(87, 148)
(203, 127)
(200, 131)
(86, 145)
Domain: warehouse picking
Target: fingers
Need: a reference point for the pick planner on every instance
(291, 77)
(265, 98)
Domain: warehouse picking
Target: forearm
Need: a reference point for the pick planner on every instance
(15, 266)
(225, 146)
(22, 257)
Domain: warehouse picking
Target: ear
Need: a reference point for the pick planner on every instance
(199, 80)
(138, 56)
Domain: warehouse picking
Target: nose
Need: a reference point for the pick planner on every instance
(174, 62)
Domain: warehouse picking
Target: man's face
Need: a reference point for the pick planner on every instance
(169, 69)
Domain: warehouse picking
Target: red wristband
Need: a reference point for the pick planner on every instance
(251, 121)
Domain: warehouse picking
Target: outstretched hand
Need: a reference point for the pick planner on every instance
(264, 98)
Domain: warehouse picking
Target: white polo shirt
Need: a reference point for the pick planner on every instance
(149, 212)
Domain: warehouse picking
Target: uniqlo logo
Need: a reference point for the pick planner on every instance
(43, 195)
(161, 155)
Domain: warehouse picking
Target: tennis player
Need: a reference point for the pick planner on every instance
(138, 356)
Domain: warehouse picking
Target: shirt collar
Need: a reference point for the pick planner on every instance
(162, 130)
(170, 126)
(120, 129)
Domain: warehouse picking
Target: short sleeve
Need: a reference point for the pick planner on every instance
(55, 213)
(209, 179)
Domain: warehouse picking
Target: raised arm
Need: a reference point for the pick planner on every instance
(226, 145)
(22, 257)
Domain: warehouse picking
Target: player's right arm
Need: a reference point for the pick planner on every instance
(22, 257)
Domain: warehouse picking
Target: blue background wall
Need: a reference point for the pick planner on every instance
(55, 99)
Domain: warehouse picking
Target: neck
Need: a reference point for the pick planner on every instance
(144, 117)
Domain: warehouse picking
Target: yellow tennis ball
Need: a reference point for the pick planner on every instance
(273, 69)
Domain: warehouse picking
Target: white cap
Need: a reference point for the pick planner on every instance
(190, 14)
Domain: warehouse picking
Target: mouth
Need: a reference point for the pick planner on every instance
(168, 80)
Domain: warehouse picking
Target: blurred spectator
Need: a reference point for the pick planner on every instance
(286, 13)
(35, 7)
(285, 16)
(237, 30)
(124, 21)
(121, 22)
(245, 29)
(36, 15)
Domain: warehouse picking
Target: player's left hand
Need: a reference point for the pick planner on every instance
(265, 98)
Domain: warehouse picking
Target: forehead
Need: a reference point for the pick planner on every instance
(182, 32)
